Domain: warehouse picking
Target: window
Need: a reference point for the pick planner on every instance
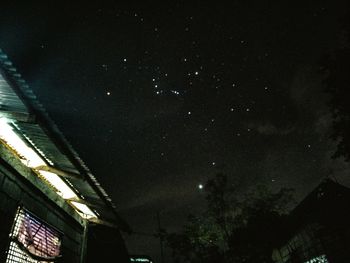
(32, 240)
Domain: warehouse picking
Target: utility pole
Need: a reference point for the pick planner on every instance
(159, 234)
(161, 237)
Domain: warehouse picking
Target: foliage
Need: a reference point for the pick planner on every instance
(233, 228)
(336, 69)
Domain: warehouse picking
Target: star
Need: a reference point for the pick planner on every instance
(200, 186)
(108, 93)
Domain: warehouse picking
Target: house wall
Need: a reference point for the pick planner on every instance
(16, 190)
(316, 243)
(301, 247)
(105, 243)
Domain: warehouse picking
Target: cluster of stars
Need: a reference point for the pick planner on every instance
(195, 76)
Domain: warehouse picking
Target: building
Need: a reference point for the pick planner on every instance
(318, 229)
(140, 259)
(51, 206)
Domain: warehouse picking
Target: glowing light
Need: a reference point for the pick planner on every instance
(62, 188)
(200, 186)
(27, 155)
(319, 259)
(84, 210)
(32, 160)
(108, 93)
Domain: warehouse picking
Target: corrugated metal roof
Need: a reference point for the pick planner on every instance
(9, 100)
(17, 99)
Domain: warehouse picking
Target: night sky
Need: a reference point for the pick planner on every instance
(157, 98)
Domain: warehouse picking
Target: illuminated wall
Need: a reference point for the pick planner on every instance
(15, 191)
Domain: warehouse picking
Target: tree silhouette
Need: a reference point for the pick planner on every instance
(233, 228)
(337, 79)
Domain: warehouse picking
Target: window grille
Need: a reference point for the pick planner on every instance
(32, 240)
